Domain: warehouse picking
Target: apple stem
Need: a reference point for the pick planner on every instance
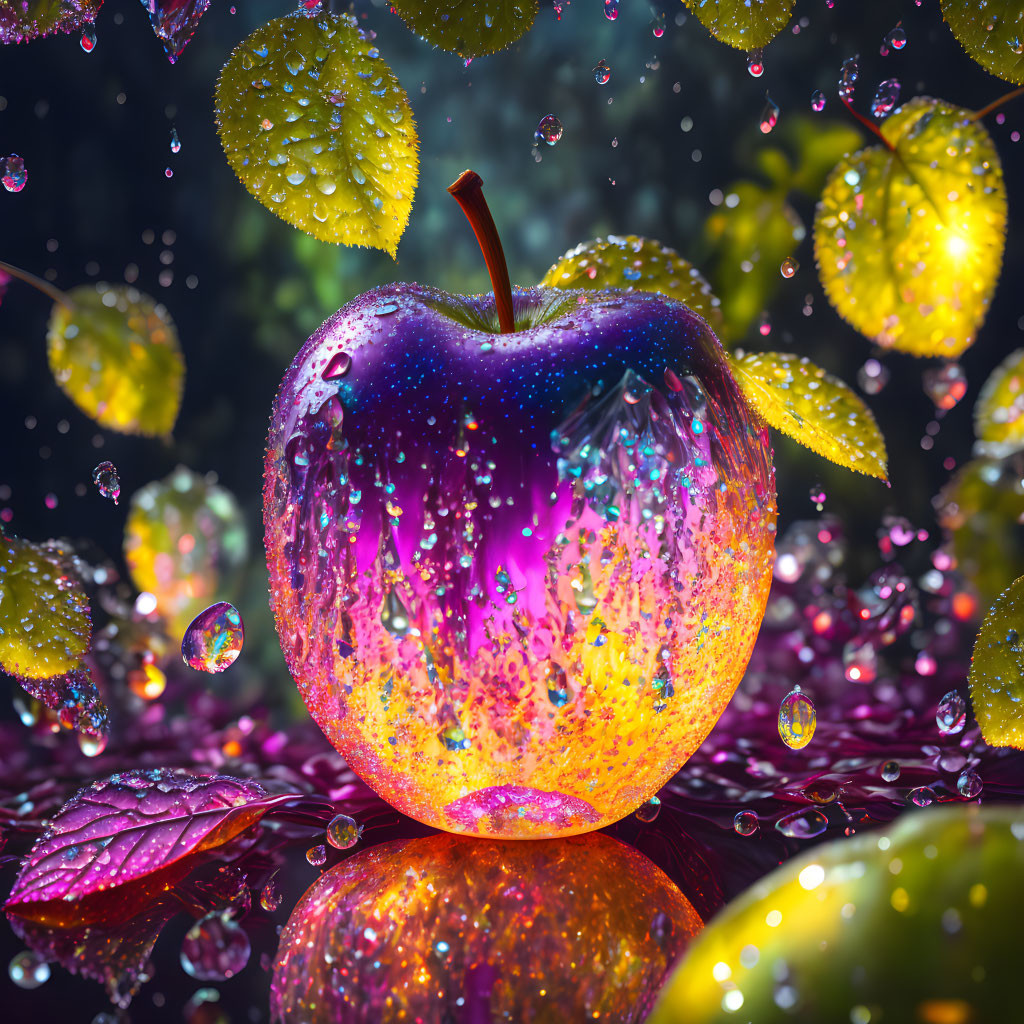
(870, 125)
(36, 282)
(468, 192)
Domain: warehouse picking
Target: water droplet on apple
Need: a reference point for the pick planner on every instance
(386, 309)
(340, 363)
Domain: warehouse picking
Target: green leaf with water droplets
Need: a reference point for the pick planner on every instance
(115, 353)
(45, 627)
(814, 408)
(634, 263)
(745, 24)
(999, 411)
(997, 671)
(318, 129)
(470, 28)
(22, 20)
(909, 240)
(992, 32)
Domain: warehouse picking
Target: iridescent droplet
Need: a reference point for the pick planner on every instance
(945, 385)
(343, 832)
(107, 482)
(649, 810)
(340, 363)
(88, 40)
(922, 796)
(797, 720)
(891, 771)
(213, 639)
(175, 141)
(215, 948)
(848, 75)
(886, 97)
(92, 746)
(969, 784)
(602, 73)
(897, 38)
(951, 714)
(28, 969)
(317, 855)
(755, 63)
(270, 895)
(769, 115)
(13, 173)
(745, 823)
(549, 130)
(817, 101)
(806, 823)
(788, 267)
(611, 9)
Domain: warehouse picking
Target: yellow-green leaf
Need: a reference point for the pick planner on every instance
(999, 411)
(44, 612)
(318, 129)
(631, 262)
(909, 241)
(22, 20)
(814, 408)
(114, 352)
(997, 671)
(892, 926)
(470, 28)
(992, 32)
(750, 238)
(745, 24)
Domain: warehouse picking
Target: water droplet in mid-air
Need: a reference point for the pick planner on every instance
(788, 267)
(769, 116)
(175, 141)
(745, 823)
(969, 784)
(848, 75)
(945, 385)
(649, 810)
(797, 720)
(549, 130)
(602, 72)
(897, 38)
(891, 771)
(817, 101)
(611, 9)
(951, 713)
(107, 482)
(343, 832)
(92, 746)
(214, 638)
(88, 40)
(658, 24)
(28, 970)
(270, 895)
(872, 377)
(215, 948)
(755, 63)
(13, 173)
(886, 97)
(317, 855)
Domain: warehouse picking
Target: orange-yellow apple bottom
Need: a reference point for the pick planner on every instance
(452, 928)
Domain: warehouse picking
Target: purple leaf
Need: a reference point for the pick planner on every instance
(113, 955)
(174, 21)
(124, 839)
(75, 699)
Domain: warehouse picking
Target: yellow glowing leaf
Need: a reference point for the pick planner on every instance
(992, 32)
(318, 129)
(751, 237)
(745, 24)
(114, 352)
(999, 411)
(470, 28)
(873, 929)
(22, 20)
(44, 613)
(909, 242)
(814, 408)
(997, 671)
(631, 262)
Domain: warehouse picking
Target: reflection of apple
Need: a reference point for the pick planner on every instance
(453, 929)
(517, 574)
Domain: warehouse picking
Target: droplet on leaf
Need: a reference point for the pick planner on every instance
(951, 713)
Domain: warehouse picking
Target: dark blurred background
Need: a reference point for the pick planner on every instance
(643, 154)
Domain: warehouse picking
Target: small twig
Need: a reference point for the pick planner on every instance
(995, 104)
(870, 125)
(36, 282)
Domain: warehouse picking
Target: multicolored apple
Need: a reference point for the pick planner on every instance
(519, 544)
